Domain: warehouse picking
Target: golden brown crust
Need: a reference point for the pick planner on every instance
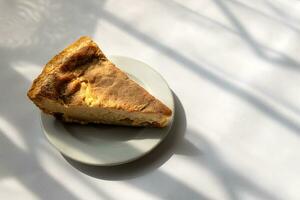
(44, 84)
(82, 75)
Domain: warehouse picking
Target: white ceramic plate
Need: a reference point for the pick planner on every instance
(112, 145)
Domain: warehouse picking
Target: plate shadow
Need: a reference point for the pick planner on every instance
(145, 164)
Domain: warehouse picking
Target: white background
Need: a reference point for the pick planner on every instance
(233, 65)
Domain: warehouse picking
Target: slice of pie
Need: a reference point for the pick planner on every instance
(81, 85)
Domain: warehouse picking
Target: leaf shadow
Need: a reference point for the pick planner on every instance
(204, 72)
(234, 183)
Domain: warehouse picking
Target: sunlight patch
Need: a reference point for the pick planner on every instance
(11, 187)
(53, 166)
(13, 134)
(27, 70)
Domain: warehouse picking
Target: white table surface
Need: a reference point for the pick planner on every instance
(234, 66)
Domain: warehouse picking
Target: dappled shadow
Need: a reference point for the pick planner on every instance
(266, 53)
(33, 30)
(283, 20)
(198, 18)
(233, 182)
(280, 59)
(241, 32)
(51, 35)
(49, 30)
(17, 157)
(215, 78)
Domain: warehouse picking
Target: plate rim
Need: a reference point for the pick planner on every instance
(169, 127)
